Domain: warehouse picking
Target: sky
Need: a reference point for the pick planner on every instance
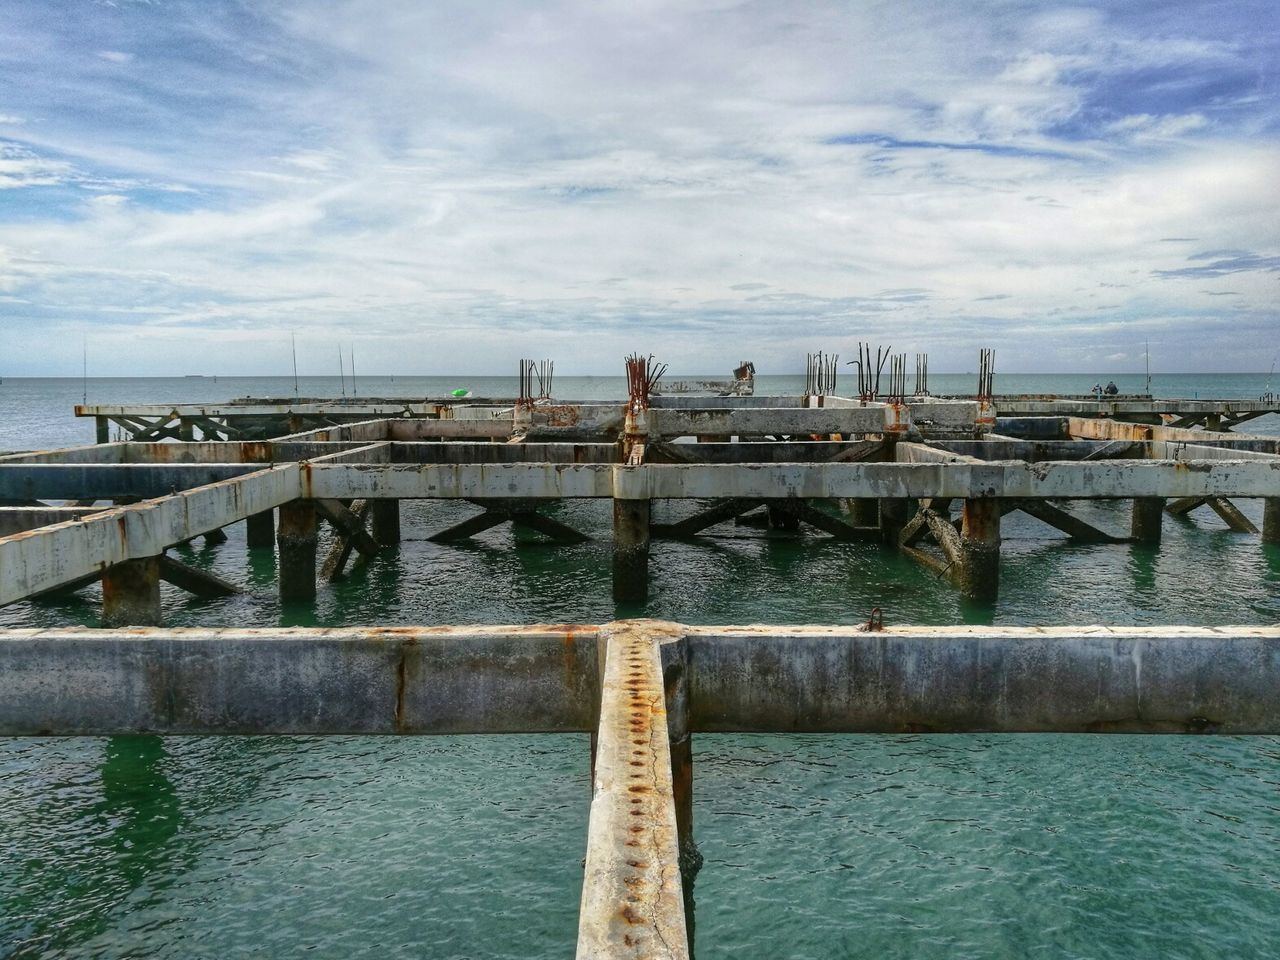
(186, 185)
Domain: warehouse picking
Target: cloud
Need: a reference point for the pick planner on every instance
(492, 178)
(115, 56)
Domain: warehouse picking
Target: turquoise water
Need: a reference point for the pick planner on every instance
(855, 846)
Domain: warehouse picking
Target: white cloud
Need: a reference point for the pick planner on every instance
(600, 176)
(115, 56)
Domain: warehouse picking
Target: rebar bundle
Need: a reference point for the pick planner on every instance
(922, 374)
(544, 370)
(643, 375)
(869, 376)
(820, 373)
(986, 374)
(898, 378)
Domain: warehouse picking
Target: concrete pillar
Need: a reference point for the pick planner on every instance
(978, 574)
(1271, 520)
(1147, 515)
(630, 550)
(296, 538)
(260, 529)
(894, 514)
(131, 594)
(1213, 422)
(384, 523)
(103, 429)
(780, 518)
(186, 430)
(864, 512)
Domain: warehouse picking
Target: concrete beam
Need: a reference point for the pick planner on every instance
(971, 679)
(774, 421)
(543, 678)
(632, 896)
(99, 481)
(376, 680)
(44, 559)
(1107, 479)
(20, 519)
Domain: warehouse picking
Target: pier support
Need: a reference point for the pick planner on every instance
(102, 429)
(260, 529)
(1271, 520)
(1147, 515)
(385, 522)
(978, 573)
(296, 538)
(863, 512)
(131, 593)
(630, 550)
(894, 514)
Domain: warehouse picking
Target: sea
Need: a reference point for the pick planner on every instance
(949, 846)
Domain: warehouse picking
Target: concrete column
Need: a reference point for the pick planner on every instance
(864, 512)
(978, 575)
(1147, 515)
(630, 550)
(1271, 520)
(296, 538)
(103, 429)
(1213, 422)
(131, 594)
(384, 522)
(894, 513)
(186, 430)
(780, 518)
(260, 529)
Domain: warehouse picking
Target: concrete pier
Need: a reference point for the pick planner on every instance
(630, 550)
(1148, 516)
(260, 529)
(131, 593)
(384, 522)
(978, 572)
(296, 537)
(1271, 520)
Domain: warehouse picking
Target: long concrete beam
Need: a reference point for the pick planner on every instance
(106, 481)
(1051, 406)
(632, 897)
(50, 557)
(1095, 479)
(203, 452)
(373, 680)
(954, 679)
(539, 678)
(1114, 430)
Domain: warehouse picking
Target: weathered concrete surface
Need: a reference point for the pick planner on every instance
(411, 680)
(1011, 680)
(296, 545)
(631, 550)
(1147, 520)
(632, 897)
(131, 593)
(1271, 520)
(1115, 430)
(106, 481)
(743, 421)
(20, 519)
(544, 678)
(959, 480)
(50, 557)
